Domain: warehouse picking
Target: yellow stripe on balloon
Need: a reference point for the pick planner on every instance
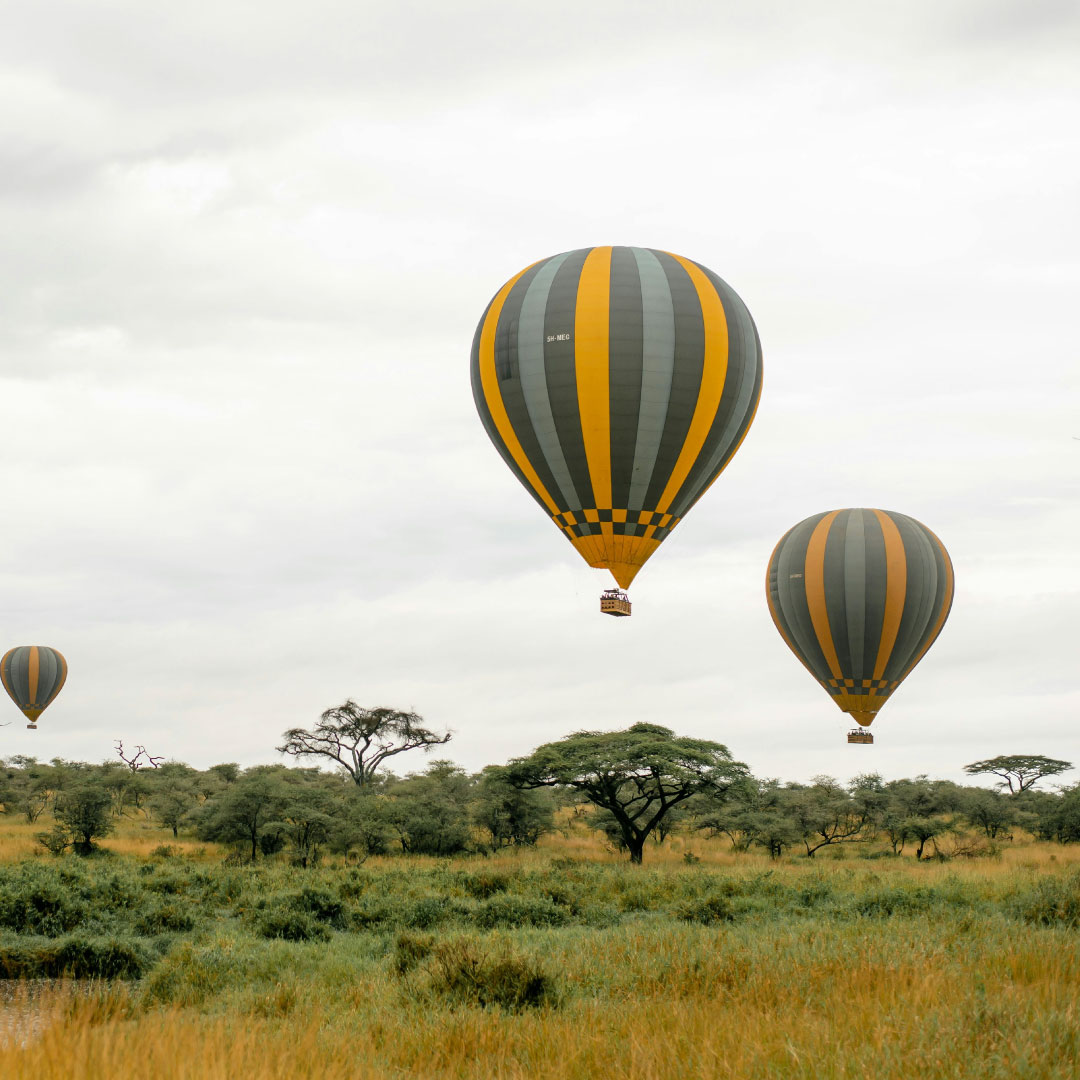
(814, 582)
(895, 589)
(591, 363)
(33, 670)
(713, 377)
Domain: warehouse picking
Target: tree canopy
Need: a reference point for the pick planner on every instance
(1024, 769)
(638, 775)
(360, 739)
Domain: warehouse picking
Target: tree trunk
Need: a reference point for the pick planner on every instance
(635, 847)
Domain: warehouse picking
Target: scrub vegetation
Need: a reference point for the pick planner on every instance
(292, 923)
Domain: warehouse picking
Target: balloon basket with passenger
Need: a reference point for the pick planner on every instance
(859, 735)
(615, 602)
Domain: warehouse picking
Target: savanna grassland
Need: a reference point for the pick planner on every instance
(557, 961)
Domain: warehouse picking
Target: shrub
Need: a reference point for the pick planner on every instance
(895, 900)
(320, 904)
(814, 893)
(707, 910)
(483, 885)
(511, 910)
(76, 958)
(167, 884)
(55, 840)
(410, 950)
(1054, 901)
(460, 972)
(39, 904)
(165, 918)
(430, 911)
(290, 926)
(374, 912)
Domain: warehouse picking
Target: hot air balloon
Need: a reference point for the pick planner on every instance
(616, 383)
(859, 596)
(33, 675)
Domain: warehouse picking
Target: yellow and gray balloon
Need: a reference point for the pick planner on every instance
(616, 383)
(33, 675)
(859, 596)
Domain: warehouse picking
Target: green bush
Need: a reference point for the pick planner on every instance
(512, 910)
(290, 926)
(427, 912)
(461, 972)
(164, 919)
(484, 884)
(707, 910)
(1054, 901)
(320, 904)
(815, 893)
(34, 901)
(75, 958)
(410, 950)
(895, 900)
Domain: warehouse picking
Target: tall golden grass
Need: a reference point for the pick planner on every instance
(927, 996)
(834, 1002)
(132, 836)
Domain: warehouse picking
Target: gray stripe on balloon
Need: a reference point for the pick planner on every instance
(625, 348)
(741, 389)
(534, 388)
(560, 316)
(657, 364)
(855, 592)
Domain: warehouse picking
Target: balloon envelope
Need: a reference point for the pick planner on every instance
(33, 675)
(859, 596)
(616, 383)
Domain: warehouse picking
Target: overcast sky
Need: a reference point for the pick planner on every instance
(243, 250)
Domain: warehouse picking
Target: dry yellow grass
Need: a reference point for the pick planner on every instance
(865, 1011)
(133, 836)
(943, 997)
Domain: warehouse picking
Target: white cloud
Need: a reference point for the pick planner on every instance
(245, 251)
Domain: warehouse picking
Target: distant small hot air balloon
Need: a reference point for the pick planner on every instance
(33, 675)
(859, 596)
(616, 383)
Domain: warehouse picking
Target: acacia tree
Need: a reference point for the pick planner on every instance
(244, 812)
(743, 814)
(360, 739)
(83, 810)
(825, 813)
(638, 775)
(1024, 769)
(511, 814)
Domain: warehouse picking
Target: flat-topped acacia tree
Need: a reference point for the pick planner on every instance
(1024, 769)
(638, 775)
(360, 739)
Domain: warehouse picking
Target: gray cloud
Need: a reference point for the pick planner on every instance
(245, 252)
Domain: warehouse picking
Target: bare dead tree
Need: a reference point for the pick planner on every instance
(360, 739)
(135, 763)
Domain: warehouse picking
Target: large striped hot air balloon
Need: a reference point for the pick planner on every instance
(617, 383)
(33, 675)
(859, 596)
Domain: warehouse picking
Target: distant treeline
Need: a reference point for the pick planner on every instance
(300, 814)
